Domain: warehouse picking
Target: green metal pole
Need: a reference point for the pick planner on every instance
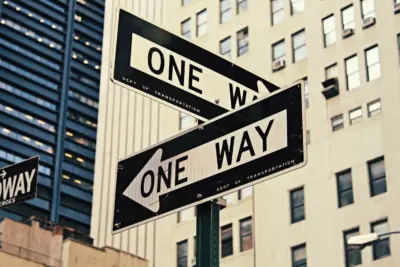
(207, 234)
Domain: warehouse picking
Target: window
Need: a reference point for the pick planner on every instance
(374, 108)
(186, 28)
(337, 122)
(331, 71)
(16, 159)
(186, 121)
(225, 10)
(77, 182)
(381, 248)
(201, 23)
(27, 96)
(329, 28)
(185, 2)
(352, 255)
(308, 137)
(297, 205)
(242, 6)
(297, 6)
(246, 192)
(230, 198)
(299, 256)
(398, 43)
(355, 115)
(306, 93)
(348, 21)
(83, 99)
(81, 58)
(345, 188)
(182, 253)
(186, 215)
(246, 234)
(278, 50)
(277, 11)
(368, 8)
(78, 118)
(226, 240)
(78, 160)
(28, 118)
(299, 46)
(80, 140)
(225, 47)
(373, 63)
(243, 41)
(352, 72)
(26, 140)
(377, 176)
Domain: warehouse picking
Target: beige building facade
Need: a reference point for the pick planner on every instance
(348, 53)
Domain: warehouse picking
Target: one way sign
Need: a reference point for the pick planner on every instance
(240, 148)
(175, 72)
(18, 182)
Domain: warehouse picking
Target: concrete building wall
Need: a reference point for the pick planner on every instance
(125, 121)
(7, 259)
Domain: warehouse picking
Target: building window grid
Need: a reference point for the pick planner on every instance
(80, 119)
(352, 255)
(373, 64)
(186, 28)
(277, 11)
(381, 248)
(53, 5)
(28, 75)
(182, 253)
(296, 6)
(86, 22)
(83, 99)
(225, 47)
(299, 46)
(26, 140)
(352, 72)
(242, 41)
(23, 94)
(29, 54)
(86, 41)
(225, 11)
(246, 234)
(345, 188)
(78, 160)
(83, 79)
(226, 240)
(337, 122)
(31, 34)
(242, 6)
(77, 182)
(348, 19)
(377, 176)
(297, 205)
(16, 159)
(28, 118)
(80, 140)
(35, 16)
(368, 8)
(329, 28)
(355, 115)
(374, 108)
(85, 60)
(299, 256)
(201, 23)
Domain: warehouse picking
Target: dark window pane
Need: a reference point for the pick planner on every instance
(226, 241)
(381, 249)
(379, 186)
(298, 214)
(352, 255)
(299, 256)
(346, 198)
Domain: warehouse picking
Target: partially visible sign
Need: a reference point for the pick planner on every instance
(18, 182)
(175, 72)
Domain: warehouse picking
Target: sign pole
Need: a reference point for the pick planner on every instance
(207, 233)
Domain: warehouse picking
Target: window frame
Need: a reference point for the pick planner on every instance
(222, 228)
(292, 13)
(293, 207)
(349, 249)
(242, 236)
(178, 258)
(364, 15)
(247, 35)
(222, 12)
(335, 128)
(358, 119)
(373, 112)
(277, 11)
(228, 53)
(334, 65)
(374, 179)
(382, 239)
(327, 33)
(184, 34)
(353, 73)
(238, 3)
(340, 191)
(293, 250)
(294, 48)
(202, 24)
(353, 22)
(282, 41)
(368, 65)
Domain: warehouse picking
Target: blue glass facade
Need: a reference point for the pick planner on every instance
(50, 58)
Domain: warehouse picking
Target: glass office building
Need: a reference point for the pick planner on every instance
(50, 58)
